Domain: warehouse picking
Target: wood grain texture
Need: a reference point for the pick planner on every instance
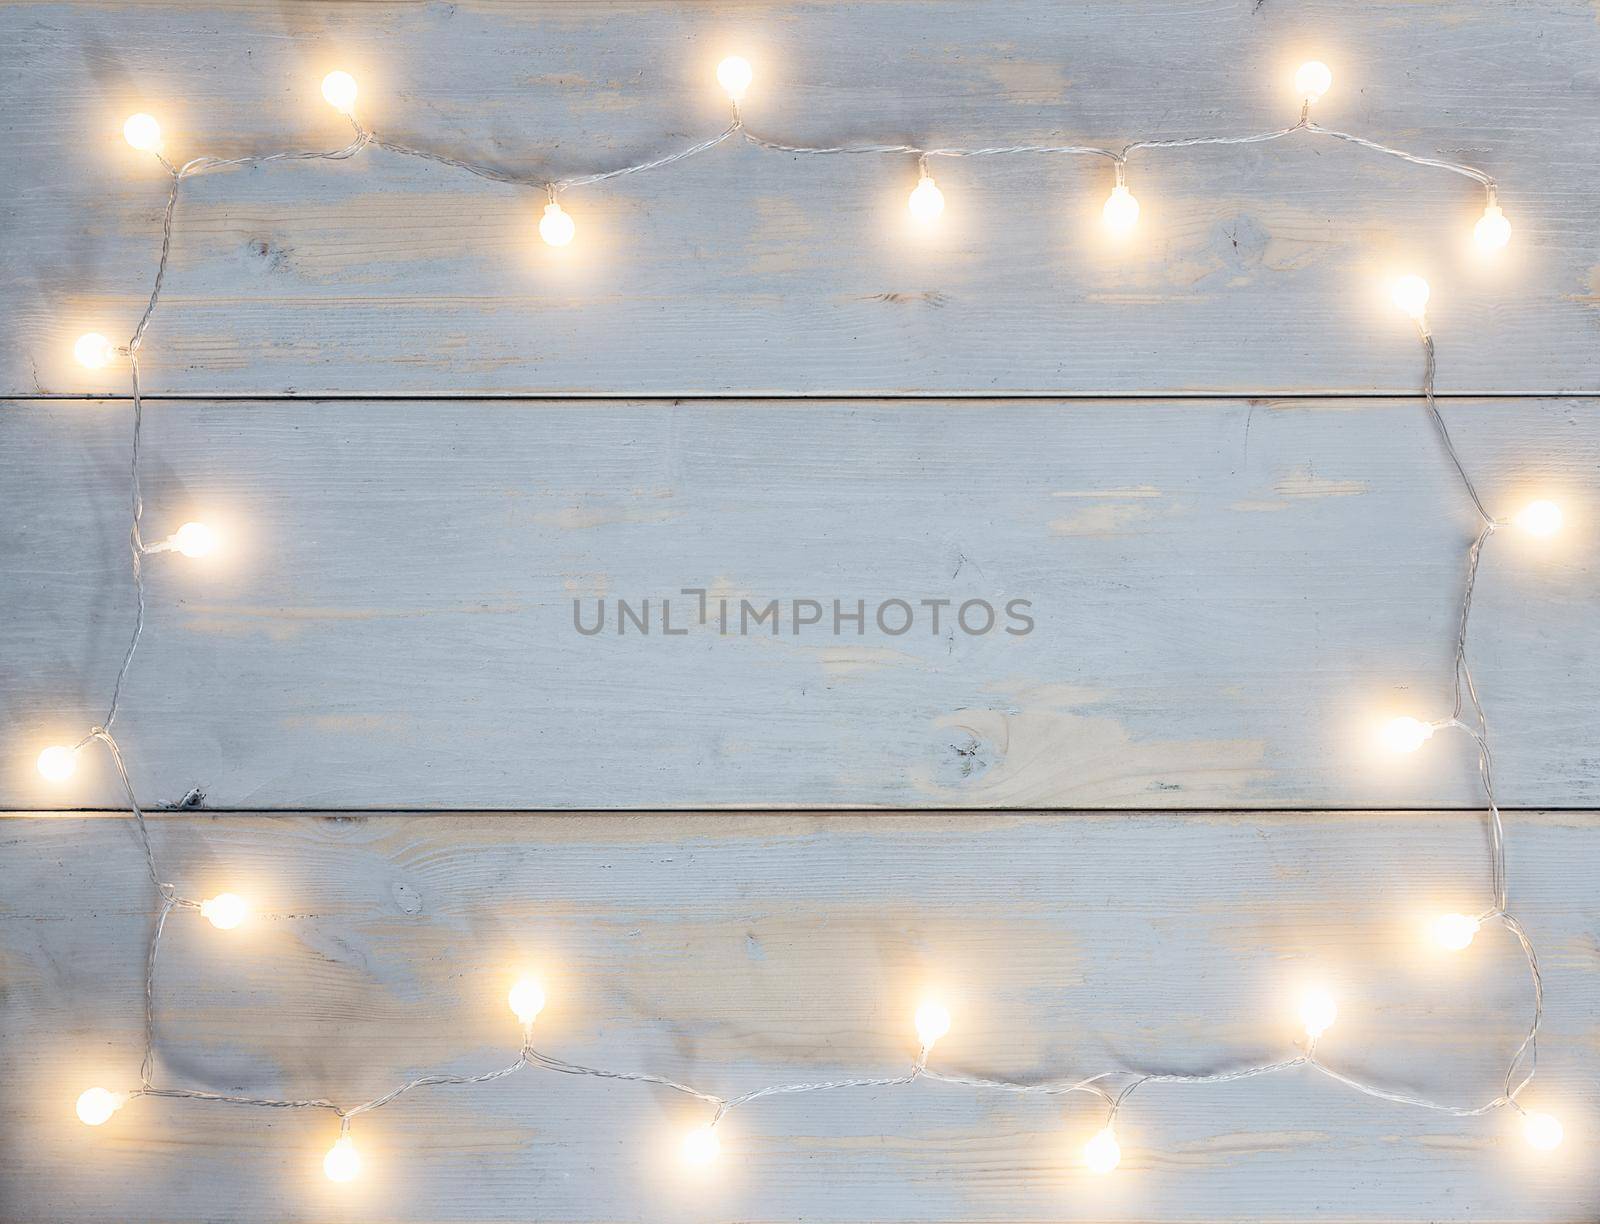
(1234, 570)
(1226, 597)
(737, 951)
(1257, 269)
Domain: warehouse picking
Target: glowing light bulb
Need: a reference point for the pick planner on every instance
(926, 201)
(1493, 231)
(1453, 931)
(701, 1146)
(1410, 293)
(556, 226)
(142, 132)
(98, 1104)
(224, 911)
(57, 763)
(1540, 518)
(527, 1000)
(1312, 79)
(1121, 212)
(1405, 734)
(1102, 1153)
(343, 1162)
(94, 351)
(1543, 1131)
(734, 74)
(1318, 1011)
(339, 88)
(933, 1022)
(194, 540)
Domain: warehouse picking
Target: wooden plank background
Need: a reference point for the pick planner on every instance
(1202, 460)
(1257, 269)
(1227, 597)
(737, 951)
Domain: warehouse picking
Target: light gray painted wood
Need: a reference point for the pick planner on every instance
(1226, 593)
(1226, 597)
(738, 951)
(1258, 268)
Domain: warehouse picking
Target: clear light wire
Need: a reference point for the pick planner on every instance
(1466, 694)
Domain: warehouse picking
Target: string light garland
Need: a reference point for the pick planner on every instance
(700, 1145)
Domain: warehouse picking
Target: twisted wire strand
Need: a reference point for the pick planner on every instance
(1095, 1085)
(436, 1078)
(366, 136)
(822, 1086)
(637, 1077)
(1221, 1077)
(1090, 1085)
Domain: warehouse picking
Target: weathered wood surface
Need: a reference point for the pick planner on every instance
(1257, 268)
(738, 951)
(1227, 596)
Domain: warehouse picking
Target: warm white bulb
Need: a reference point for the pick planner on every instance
(1121, 212)
(926, 201)
(1540, 518)
(527, 1000)
(98, 1104)
(194, 540)
(343, 1162)
(1454, 931)
(734, 74)
(224, 911)
(933, 1022)
(1102, 1153)
(1543, 1131)
(1318, 1011)
(1312, 79)
(1405, 734)
(1493, 231)
(142, 132)
(339, 88)
(701, 1146)
(57, 763)
(556, 226)
(1410, 293)
(94, 351)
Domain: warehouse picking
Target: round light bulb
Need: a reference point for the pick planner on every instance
(1454, 931)
(142, 132)
(98, 1104)
(1121, 212)
(701, 1146)
(527, 1000)
(1318, 1011)
(94, 351)
(57, 763)
(194, 540)
(1410, 293)
(926, 201)
(1543, 1131)
(224, 911)
(1102, 1153)
(1540, 518)
(933, 1022)
(1493, 231)
(339, 88)
(343, 1162)
(734, 74)
(556, 226)
(1405, 734)
(1312, 79)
